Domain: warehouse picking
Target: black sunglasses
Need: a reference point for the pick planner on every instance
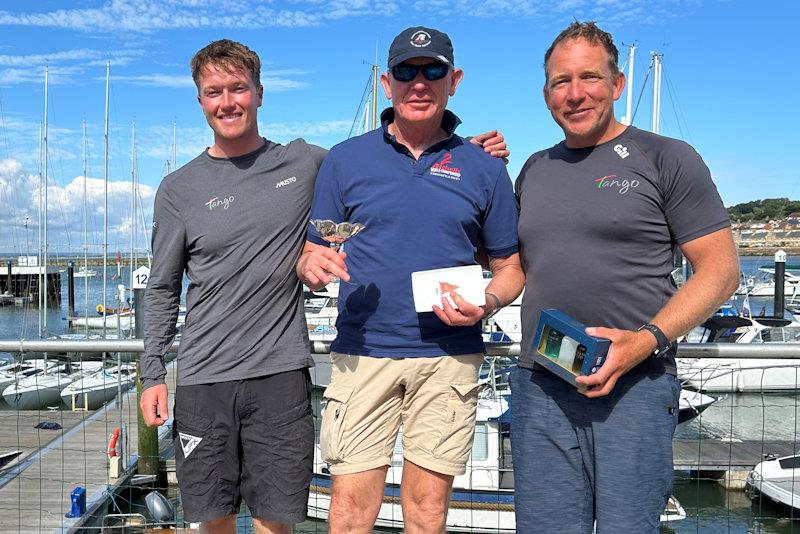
(406, 72)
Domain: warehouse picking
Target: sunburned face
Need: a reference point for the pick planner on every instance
(580, 92)
(230, 102)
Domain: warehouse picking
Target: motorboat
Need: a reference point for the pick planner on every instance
(84, 272)
(762, 284)
(693, 403)
(778, 479)
(92, 391)
(482, 498)
(44, 389)
(742, 374)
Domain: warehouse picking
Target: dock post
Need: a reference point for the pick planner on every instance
(9, 278)
(148, 436)
(70, 290)
(780, 274)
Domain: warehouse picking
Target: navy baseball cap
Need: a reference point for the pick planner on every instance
(421, 42)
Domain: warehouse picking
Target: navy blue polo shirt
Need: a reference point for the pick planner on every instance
(419, 214)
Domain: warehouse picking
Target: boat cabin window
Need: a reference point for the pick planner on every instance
(792, 462)
(480, 444)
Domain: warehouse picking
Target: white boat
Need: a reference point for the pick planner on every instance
(482, 499)
(44, 389)
(762, 284)
(726, 375)
(124, 319)
(12, 372)
(84, 272)
(92, 391)
(693, 403)
(778, 479)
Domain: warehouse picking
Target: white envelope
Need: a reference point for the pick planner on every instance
(430, 286)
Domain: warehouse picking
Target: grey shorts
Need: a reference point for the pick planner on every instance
(578, 461)
(250, 440)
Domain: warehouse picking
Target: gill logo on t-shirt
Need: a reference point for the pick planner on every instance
(622, 185)
(621, 150)
(442, 169)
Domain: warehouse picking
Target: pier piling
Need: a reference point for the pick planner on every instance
(148, 436)
(780, 274)
(70, 290)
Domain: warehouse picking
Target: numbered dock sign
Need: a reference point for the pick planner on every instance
(140, 277)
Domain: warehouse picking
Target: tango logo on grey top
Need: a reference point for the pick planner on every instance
(217, 202)
(622, 185)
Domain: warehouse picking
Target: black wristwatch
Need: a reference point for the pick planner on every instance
(662, 343)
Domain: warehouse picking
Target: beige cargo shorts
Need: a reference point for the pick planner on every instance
(434, 398)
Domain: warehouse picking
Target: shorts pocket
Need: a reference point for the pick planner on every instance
(197, 451)
(290, 449)
(331, 434)
(458, 423)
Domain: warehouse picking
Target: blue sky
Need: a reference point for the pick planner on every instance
(729, 68)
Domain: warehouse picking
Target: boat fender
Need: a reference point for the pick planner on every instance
(100, 309)
(112, 443)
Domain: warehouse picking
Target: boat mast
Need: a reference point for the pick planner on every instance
(374, 123)
(43, 294)
(85, 236)
(174, 145)
(105, 200)
(133, 201)
(628, 119)
(656, 119)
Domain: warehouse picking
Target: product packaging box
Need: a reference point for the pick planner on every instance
(563, 347)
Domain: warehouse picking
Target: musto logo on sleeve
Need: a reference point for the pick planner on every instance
(443, 169)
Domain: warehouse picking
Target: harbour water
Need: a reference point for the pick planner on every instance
(709, 507)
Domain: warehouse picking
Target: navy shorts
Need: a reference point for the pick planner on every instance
(579, 460)
(245, 439)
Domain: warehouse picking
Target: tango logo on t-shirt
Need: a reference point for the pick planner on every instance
(622, 185)
(442, 169)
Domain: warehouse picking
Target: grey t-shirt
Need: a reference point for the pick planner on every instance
(236, 227)
(598, 227)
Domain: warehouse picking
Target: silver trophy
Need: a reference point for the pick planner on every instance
(336, 233)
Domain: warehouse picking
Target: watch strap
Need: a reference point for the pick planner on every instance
(663, 344)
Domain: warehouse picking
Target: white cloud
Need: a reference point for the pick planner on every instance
(19, 190)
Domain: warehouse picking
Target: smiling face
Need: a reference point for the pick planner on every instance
(580, 92)
(421, 100)
(230, 102)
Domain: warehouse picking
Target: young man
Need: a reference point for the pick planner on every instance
(428, 200)
(234, 220)
(600, 215)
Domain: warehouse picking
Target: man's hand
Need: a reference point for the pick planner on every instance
(154, 405)
(492, 142)
(319, 265)
(466, 315)
(628, 349)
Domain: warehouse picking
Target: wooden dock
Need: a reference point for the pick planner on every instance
(719, 455)
(35, 492)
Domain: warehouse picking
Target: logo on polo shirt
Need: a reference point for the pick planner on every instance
(612, 181)
(420, 39)
(443, 170)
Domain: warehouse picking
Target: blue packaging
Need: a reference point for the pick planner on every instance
(563, 347)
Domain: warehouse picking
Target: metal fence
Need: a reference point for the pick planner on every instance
(745, 421)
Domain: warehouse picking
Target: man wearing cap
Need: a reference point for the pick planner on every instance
(601, 214)
(428, 200)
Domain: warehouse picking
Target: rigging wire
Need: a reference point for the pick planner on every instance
(354, 126)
